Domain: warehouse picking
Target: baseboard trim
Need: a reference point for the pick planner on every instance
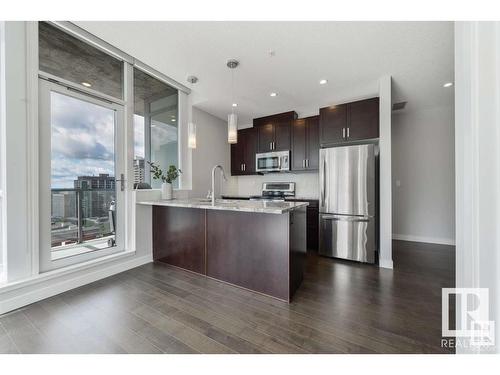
(35, 292)
(384, 263)
(435, 240)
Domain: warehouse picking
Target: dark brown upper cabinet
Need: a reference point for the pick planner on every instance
(363, 120)
(274, 132)
(305, 144)
(243, 153)
(349, 122)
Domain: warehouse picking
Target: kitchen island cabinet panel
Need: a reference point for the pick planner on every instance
(248, 250)
(179, 237)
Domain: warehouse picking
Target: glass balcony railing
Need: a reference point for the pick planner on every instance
(79, 216)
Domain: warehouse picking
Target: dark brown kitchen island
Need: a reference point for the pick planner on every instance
(260, 246)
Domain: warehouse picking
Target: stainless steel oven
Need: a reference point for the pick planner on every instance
(277, 161)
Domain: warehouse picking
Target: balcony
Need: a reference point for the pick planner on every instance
(82, 221)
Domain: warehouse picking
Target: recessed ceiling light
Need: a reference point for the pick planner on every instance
(273, 94)
(448, 84)
(323, 82)
(173, 120)
(235, 104)
(86, 84)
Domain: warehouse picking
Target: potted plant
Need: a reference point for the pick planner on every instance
(166, 178)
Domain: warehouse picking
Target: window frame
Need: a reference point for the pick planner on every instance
(33, 76)
(147, 130)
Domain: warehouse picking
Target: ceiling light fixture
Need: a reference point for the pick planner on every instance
(235, 105)
(173, 120)
(86, 84)
(323, 81)
(448, 84)
(232, 118)
(273, 94)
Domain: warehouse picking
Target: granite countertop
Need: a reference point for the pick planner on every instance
(230, 205)
(236, 196)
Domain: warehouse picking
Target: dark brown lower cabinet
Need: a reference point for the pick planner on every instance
(312, 230)
(248, 250)
(257, 251)
(179, 237)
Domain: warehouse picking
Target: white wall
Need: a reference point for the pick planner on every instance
(3, 255)
(423, 155)
(211, 149)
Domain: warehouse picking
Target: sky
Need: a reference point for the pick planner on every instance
(82, 140)
(83, 134)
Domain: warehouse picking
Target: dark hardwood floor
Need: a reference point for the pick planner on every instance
(341, 307)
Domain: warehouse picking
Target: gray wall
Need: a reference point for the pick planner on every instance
(211, 149)
(423, 155)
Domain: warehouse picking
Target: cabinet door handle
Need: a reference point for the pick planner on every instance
(347, 132)
(307, 163)
(303, 163)
(343, 132)
(241, 167)
(244, 166)
(270, 145)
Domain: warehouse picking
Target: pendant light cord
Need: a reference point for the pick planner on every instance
(232, 90)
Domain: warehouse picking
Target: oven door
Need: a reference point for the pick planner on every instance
(269, 162)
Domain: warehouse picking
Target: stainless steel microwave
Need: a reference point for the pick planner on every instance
(276, 161)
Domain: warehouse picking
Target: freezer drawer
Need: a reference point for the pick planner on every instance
(347, 237)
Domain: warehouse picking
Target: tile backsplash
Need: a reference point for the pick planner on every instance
(306, 184)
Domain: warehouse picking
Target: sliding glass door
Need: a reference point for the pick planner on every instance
(81, 176)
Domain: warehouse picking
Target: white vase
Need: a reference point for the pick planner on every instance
(166, 191)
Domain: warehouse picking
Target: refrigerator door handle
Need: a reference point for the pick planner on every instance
(323, 188)
(346, 218)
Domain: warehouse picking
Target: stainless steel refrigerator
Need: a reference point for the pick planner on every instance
(348, 203)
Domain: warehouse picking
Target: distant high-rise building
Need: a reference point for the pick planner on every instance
(58, 205)
(64, 204)
(96, 195)
(102, 182)
(139, 170)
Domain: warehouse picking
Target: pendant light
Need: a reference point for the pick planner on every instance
(191, 125)
(232, 118)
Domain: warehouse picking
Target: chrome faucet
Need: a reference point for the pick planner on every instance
(213, 181)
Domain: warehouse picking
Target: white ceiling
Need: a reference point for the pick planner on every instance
(351, 55)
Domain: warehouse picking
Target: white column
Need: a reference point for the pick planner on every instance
(477, 160)
(385, 94)
(15, 197)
